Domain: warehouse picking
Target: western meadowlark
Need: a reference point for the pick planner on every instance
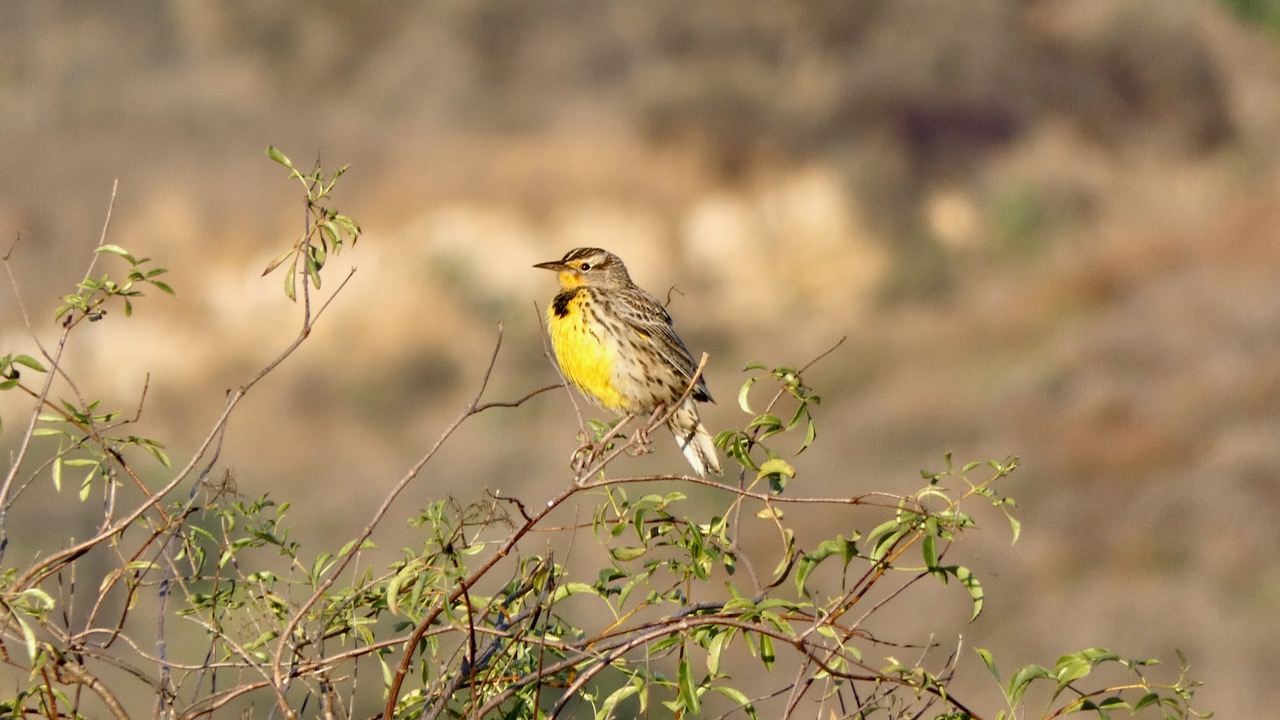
(614, 341)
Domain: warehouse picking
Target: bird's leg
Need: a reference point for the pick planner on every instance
(581, 458)
(592, 450)
(640, 438)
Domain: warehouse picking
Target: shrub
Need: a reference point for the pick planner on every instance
(732, 605)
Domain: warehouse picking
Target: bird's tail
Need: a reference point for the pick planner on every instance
(695, 442)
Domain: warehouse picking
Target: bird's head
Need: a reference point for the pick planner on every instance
(592, 267)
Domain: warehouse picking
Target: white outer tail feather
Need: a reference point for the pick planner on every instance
(695, 442)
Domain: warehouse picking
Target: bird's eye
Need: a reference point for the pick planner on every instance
(584, 266)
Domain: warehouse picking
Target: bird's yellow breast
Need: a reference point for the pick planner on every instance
(586, 358)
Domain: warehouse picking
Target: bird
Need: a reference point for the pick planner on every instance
(615, 343)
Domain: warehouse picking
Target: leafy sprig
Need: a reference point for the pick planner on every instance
(92, 294)
(326, 230)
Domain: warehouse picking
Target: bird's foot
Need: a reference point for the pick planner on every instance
(639, 444)
(581, 458)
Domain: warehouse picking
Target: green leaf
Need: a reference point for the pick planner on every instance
(989, 660)
(715, 646)
(28, 638)
(1146, 701)
(688, 693)
(321, 565)
(1022, 678)
(970, 582)
(571, 588)
(57, 473)
(1115, 702)
(929, 548)
(609, 706)
(30, 362)
(329, 231)
(884, 537)
(772, 423)
(735, 445)
(738, 697)
(1015, 527)
(810, 434)
(411, 571)
(769, 513)
(777, 467)
(1072, 670)
(313, 271)
(767, 655)
(279, 157)
(352, 228)
(275, 262)
(116, 250)
(83, 462)
(262, 639)
(775, 603)
(157, 451)
(289, 285)
(625, 554)
(744, 392)
(809, 561)
(44, 601)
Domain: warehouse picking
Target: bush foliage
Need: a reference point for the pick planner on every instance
(677, 597)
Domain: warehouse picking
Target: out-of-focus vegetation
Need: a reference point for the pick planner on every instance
(1265, 13)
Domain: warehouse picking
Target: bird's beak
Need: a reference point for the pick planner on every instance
(569, 277)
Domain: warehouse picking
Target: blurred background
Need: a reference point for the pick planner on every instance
(1047, 228)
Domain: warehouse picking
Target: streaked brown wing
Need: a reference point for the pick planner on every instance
(643, 313)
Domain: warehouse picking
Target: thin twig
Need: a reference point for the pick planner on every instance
(38, 572)
(80, 676)
(25, 443)
(340, 565)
